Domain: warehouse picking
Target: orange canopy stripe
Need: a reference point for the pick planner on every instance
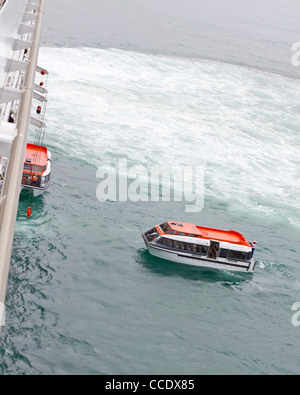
(229, 236)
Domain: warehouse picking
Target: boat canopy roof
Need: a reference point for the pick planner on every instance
(36, 155)
(182, 228)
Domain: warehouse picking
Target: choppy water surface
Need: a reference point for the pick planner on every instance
(84, 296)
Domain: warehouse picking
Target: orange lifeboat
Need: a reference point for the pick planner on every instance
(201, 246)
(37, 169)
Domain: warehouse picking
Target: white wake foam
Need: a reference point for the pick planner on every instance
(243, 125)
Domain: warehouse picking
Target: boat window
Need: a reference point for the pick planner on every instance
(248, 257)
(36, 169)
(237, 255)
(171, 232)
(188, 247)
(176, 245)
(165, 227)
(191, 235)
(194, 247)
(151, 234)
(163, 241)
(202, 249)
(27, 166)
(153, 230)
(181, 234)
(166, 242)
(181, 245)
(223, 253)
(169, 243)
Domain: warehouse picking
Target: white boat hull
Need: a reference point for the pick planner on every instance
(189, 259)
(36, 191)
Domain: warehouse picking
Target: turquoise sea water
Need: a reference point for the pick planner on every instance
(84, 295)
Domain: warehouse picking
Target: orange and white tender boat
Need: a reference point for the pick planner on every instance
(37, 169)
(200, 246)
